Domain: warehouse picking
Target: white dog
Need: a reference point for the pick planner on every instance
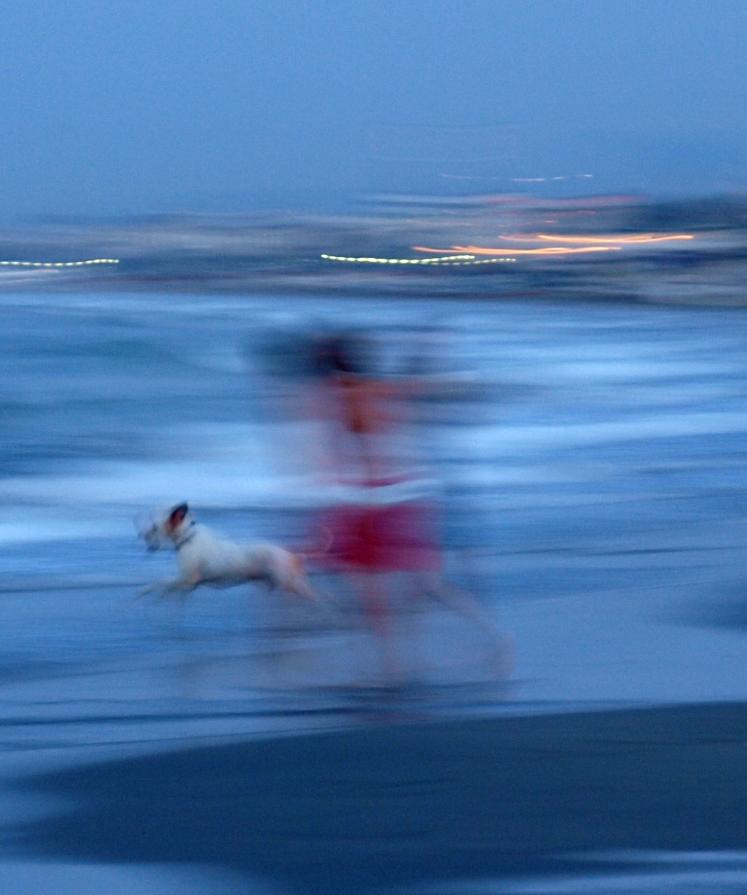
(206, 559)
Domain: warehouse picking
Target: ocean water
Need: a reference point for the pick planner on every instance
(114, 403)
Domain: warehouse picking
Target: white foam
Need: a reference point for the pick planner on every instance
(68, 878)
(671, 873)
(561, 434)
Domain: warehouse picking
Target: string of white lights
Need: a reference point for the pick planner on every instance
(59, 263)
(441, 261)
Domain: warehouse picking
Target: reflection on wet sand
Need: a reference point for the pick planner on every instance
(388, 807)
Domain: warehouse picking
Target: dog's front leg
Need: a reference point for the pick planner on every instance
(148, 590)
(180, 587)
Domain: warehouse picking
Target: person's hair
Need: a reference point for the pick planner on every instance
(337, 354)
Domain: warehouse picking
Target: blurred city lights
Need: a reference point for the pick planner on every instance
(549, 250)
(59, 263)
(442, 260)
(620, 239)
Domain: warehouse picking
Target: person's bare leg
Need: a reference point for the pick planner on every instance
(462, 602)
(377, 609)
(414, 628)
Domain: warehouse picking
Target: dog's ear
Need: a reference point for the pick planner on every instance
(176, 516)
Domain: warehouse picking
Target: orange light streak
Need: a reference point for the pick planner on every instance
(549, 250)
(634, 239)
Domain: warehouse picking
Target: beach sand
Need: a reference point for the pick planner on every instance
(393, 805)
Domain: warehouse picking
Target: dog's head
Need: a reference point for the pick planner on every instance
(166, 528)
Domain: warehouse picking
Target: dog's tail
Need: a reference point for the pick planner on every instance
(297, 561)
(298, 582)
(317, 550)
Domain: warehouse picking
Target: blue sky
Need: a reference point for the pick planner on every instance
(155, 105)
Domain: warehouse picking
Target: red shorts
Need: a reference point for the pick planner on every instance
(395, 537)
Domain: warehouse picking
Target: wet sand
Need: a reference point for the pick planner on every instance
(395, 804)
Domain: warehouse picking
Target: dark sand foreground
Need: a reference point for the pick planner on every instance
(383, 807)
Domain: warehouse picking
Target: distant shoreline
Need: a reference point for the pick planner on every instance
(352, 287)
(619, 249)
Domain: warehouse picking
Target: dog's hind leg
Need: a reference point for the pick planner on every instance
(300, 586)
